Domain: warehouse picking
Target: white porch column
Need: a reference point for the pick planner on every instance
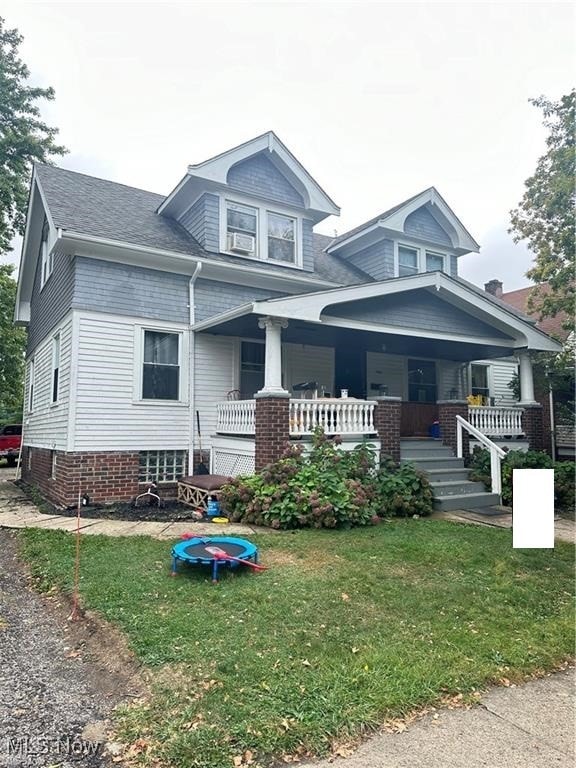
(273, 359)
(526, 378)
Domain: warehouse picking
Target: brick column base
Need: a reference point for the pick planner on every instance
(272, 421)
(533, 426)
(387, 423)
(447, 412)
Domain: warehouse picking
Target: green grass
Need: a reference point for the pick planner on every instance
(345, 629)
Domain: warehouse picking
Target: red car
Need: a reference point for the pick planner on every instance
(10, 439)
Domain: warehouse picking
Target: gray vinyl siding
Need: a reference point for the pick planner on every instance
(307, 246)
(212, 297)
(202, 221)
(49, 305)
(377, 260)
(119, 289)
(423, 225)
(259, 176)
(420, 311)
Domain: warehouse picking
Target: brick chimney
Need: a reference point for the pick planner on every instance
(494, 287)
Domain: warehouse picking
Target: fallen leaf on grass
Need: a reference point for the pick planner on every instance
(345, 596)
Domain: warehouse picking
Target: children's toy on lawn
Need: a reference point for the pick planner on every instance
(213, 509)
(215, 551)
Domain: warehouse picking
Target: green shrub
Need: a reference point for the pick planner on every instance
(563, 474)
(403, 490)
(327, 488)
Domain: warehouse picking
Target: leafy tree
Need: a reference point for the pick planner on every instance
(545, 215)
(12, 342)
(24, 136)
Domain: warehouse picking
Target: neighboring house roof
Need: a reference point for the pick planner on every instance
(553, 326)
(107, 209)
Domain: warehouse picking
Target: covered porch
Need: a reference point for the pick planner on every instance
(378, 362)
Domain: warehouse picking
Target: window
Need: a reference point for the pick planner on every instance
(421, 381)
(161, 466)
(53, 465)
(434, 262)
(407, 261)
(55, 367)
(413, 260)
(281, 238)
(31, 386)
(46, 257)
(241, 228)
(253, 231)
(161, 366)
(251, 368)
(479, 380)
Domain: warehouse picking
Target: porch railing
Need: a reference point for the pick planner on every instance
(336, 417)
(496, 453)
(496, 421)
(236, 417)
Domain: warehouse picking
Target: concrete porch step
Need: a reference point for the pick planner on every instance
(425, 452)
(423, 443)
(456, 488)
(465, 501)
(435, 462)
(446, 475)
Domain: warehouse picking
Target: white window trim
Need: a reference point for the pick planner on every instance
(31, 384)
(489, 382)
(139, 366)
(56, 338)
(421, 250)
(263, 209)
(46, 263)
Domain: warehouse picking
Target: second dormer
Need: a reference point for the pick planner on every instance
(255, 201)
(421, 234)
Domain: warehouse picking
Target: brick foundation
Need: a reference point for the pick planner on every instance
(532, 424)
(272, 420)
(447, 412)
(387, 415)
(106, 477)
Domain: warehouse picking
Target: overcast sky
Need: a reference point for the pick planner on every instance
(377, 100)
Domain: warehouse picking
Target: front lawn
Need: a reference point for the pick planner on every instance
(345, 629)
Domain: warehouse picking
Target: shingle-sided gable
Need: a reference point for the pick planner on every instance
(423, 225)
(259, 176)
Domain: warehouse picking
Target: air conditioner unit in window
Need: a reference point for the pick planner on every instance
(241, 243)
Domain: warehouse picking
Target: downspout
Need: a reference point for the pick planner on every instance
(191, 351)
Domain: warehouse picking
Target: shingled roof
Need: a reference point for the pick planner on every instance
(107, 209)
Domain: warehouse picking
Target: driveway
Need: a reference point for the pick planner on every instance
(56, 693)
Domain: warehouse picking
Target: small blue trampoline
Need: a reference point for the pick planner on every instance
(226, 551)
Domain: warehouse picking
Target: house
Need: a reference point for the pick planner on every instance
(558, 426)
(220, 300)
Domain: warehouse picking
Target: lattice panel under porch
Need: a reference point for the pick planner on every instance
(232, 464)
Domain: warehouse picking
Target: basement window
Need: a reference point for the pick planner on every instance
(161, 466)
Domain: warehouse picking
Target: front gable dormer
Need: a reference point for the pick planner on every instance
(255, 201)
(421, 234)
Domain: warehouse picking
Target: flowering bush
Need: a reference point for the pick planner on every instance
(327, 488)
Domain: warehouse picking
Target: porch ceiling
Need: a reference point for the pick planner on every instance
(316, 334)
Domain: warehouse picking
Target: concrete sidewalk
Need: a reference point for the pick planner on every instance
(17, 511)
(530, 726)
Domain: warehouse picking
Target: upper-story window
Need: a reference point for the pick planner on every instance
(411, 260)
(258, 232)
(46, 257)
(241, 228)
(281, 238)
